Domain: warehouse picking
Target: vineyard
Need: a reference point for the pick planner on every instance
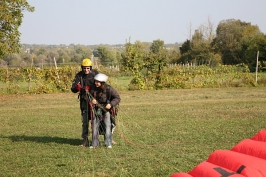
(51, 80)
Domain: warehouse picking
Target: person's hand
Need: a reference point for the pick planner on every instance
(87, 88)
(78, 87)
(108, 106)
(94, 101)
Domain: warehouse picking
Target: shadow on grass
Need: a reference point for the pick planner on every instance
(44, 139)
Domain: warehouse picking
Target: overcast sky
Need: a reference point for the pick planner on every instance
(92, 22)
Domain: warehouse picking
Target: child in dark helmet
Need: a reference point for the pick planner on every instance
(82, 83)
(102, 106)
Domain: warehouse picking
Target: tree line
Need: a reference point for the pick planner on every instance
(43, 55)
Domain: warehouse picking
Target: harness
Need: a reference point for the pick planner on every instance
(114, 110)
(82, 93)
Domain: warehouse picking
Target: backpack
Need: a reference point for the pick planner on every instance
(114, 110)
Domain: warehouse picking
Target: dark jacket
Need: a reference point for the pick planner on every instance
(101, 95)
(84, 80)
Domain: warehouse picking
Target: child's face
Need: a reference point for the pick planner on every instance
(98, 84)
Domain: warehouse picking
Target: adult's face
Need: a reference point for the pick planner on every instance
(86, 69)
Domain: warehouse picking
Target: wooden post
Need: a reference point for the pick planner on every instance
(31, 60)
(55, 63)
(56, 70)
(257, 67)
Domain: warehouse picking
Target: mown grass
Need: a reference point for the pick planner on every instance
(159, 132)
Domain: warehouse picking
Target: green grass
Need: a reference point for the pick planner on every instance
(159, 132)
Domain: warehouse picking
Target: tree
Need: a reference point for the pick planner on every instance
(174, 55)
(10, 19)
(132, 58)
(27, 58)
(108, 56)
(40, 60)
(132, 61)
(118, 57)
(63, 56)
(230, 37)
(41, 51)
(198, 48)
(50, 57)
(156, 60)
(83, 51)
(157, 57)
(186, 47)
(12, 60)
(201, 51)
(251, 45)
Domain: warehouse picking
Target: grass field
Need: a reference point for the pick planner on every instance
(159, 132)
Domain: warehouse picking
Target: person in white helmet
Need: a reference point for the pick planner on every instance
(103, 105)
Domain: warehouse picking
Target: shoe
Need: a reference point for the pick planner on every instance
(85, 142)
(93, 147)
(109, 147)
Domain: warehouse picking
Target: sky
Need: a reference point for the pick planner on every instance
(95, 22)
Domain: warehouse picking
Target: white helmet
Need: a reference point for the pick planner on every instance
(101, 77)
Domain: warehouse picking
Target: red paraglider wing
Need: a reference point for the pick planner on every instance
(247, 158)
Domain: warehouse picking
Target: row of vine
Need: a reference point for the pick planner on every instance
(49, 80)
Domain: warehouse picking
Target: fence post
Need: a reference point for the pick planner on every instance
(257, 67)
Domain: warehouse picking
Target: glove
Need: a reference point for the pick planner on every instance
(78, 87)
(87, 88)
